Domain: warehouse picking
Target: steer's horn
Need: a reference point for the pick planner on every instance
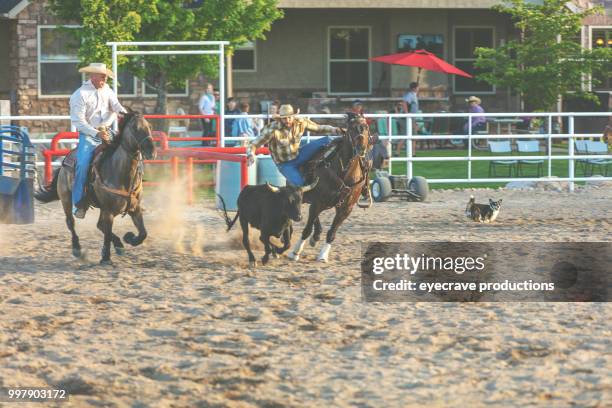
(273, 188)
(310, 186)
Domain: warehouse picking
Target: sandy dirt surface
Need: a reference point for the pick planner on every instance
(181, 321)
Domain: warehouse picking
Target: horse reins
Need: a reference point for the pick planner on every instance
(362, 164)
(131, 194)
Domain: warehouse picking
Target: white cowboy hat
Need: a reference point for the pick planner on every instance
(473, 99)
(97, 68)
(285, 111)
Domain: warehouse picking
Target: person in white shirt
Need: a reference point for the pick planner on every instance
(207, 107)
(410, 103)
(93, 109)
(411, 99)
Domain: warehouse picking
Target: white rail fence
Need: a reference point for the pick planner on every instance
(409, 158)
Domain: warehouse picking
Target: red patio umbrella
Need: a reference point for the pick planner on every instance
(421, 59)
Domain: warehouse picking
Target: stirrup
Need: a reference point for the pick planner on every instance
(365, 191)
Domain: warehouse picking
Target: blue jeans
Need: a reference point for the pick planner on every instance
(85, 151)
(291, 169)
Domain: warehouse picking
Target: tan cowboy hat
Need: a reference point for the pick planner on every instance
(473, 99)
(285, 111)
(97, 68)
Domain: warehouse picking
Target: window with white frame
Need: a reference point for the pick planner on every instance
(244, 58)
(349, 65)
(58, 62)
(466, 40)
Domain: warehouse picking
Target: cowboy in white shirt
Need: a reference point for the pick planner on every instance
(93, 109)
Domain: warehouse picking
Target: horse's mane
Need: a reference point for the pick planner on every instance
(124, 121)
(350, 116)
(127, 117)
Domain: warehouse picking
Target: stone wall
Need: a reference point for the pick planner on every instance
(24, 70)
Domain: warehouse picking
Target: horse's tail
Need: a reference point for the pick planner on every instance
(230, 223)
(49, 193)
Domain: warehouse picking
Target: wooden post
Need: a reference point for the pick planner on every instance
(229, 79)
(189, 171)
(175, 168)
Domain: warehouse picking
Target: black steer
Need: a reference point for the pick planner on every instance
(270, 209)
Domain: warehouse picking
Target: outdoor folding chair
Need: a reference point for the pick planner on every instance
(580, 147)
(598, 148)
(531, 146)
(477, 144)
(177, 129)
(498, 148)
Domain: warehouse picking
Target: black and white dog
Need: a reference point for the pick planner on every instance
(482, 212)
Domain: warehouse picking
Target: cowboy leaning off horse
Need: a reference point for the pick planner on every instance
(283, 137)
(93, 109)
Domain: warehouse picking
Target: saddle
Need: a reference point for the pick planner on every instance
(100, 154)
(319, 159)
(322, 158)
(70, 159)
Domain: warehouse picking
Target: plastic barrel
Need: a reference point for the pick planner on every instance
(23, 205)
(228, 183)
(16, 204)
(267, 172)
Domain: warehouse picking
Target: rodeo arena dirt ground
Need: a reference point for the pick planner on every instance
(181, 321)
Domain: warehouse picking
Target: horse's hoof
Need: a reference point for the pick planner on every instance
(313, 241)
(106, 262)
(129, 237)
(252, 264)
(265, 259)
(275, 255)
(322, 257)
(293, 256)
(120, 251)
(76, 252)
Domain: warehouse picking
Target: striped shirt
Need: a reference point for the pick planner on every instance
(284, 144)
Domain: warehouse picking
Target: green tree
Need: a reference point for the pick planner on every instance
(236, 21)
(547, 60)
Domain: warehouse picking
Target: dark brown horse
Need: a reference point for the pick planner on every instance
(117, 187)
(342, 177)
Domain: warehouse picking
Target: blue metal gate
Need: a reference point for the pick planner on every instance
(16, 176)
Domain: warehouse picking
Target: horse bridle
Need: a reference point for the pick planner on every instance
(351, 140)
(136, 153)
(360, 156)
(136, 156)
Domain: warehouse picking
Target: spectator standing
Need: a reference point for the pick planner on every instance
(410, 99)
(272, 111)
(410, 104)
(231, 108)
(398, 126)
(207, 107)
(357, 107)
(360, 110)
(244, 127)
